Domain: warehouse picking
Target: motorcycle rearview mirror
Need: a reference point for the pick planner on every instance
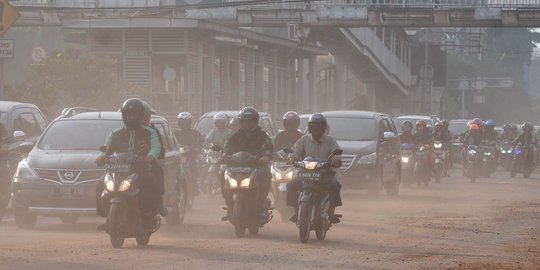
(337, 152)
(217, 148)
(288, 151)
(103, 148)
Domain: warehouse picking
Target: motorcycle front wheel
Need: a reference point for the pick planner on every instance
(114, 220)
(239, 227)
(304, 221)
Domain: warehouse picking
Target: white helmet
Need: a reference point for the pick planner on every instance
(185, 115)
(221, 117)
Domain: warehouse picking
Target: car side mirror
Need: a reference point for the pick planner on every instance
(388, 135)
(288, 151)
(337, 152)
(217, 148)
(19, 135)
(103, 148)
(26, 147)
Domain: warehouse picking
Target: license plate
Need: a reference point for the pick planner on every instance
(239, 170)
(309, 176)
(66, 192)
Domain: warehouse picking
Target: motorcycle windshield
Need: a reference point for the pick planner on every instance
(242, 158)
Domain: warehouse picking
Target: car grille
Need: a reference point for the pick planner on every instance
(347, 162)
(69, 176)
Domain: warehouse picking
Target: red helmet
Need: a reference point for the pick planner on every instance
(474, 127)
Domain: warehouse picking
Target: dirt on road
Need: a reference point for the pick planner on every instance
(492, 224)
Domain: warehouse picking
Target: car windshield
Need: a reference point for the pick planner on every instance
(457, 128)
(352, 129)
(77, 134)
(205, 125)
(399, 120)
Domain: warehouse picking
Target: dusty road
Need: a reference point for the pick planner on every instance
(493, 224)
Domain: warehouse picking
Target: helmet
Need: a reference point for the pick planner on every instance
(478, 122)
(514, 127)
(421, 123)
(291, 120)
(133, 113)
(474, 127)
(445, 123)
(527, 127)
(490, 123)
(184, 120)
(317, 120)
(406, 126)
(248, 113)
(234, 124)
(220, 117)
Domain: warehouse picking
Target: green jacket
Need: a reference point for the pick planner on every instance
(123, 140)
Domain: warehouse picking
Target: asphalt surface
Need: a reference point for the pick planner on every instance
(491, 224)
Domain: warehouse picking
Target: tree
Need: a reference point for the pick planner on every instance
(69, 78)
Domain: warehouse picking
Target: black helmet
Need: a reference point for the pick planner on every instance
(507, 127)
(135, 107)
(527, 127)
(514, 128)
(291, 120)
(248, 113)
(317, 120)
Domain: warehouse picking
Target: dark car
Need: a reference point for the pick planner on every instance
(371, 149)
(58, 177)
(205, 124)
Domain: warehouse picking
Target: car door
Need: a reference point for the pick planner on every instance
(25, 121)
(170, 162)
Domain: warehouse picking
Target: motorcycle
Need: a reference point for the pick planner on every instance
(121, 196)
(188, 165)
(282, 173)
(439, 160)
(407, 163)
(490, 160)
(7, 170)
(314, 200)
(506, 155)
(421, 166)
(213, 155)
(474, 163)
(239, 179)
(523, 161)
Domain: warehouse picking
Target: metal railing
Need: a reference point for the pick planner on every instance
(286, 4)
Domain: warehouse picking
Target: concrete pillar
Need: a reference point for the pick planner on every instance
(300, 83)
(312, 95)
(339, 83)
(293, 88)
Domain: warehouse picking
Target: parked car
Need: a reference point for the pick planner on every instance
(205, 124)
(371, 149)
(458, 127)
(58, 176)
(430, 120)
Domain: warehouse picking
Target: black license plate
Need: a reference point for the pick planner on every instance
(66, 192)
(309, 176)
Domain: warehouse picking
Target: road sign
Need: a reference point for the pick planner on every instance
(38, 54)
(6, 48)
(8, 16)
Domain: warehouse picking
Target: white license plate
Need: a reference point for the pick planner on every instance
(309, 176)
(282, 187)
(66, 192)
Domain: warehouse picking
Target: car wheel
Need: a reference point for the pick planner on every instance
(23, 219)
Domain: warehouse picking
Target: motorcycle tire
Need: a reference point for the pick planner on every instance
(253, 230)
(304, 221)
(23, 219)
(323, 227)
(114, 220)
(143, 239)
(239, 228)
(177, 215)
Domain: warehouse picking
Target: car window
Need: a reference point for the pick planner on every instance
(170, 140)
(163, 134)
(352, 129)
(40, 120)
(27, 123)
(77, 134)
(387, 127)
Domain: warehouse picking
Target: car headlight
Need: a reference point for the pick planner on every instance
(437, 145)
(109, 183)
(245, 183)
(24, 170)
(405, 159)
(310, 165)
(368, 159)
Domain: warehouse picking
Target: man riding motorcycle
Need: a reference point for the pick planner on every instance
(489, 133)
(406, 136)
(188, 137)
(220, 132)
(317, 145)
(288, 137)
(472, 137)
(527, 137)
(440, 134)
(508, 134)
(423, 136)
(252, 139)
(130, 139)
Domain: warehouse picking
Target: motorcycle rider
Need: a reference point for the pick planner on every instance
(489, 133)
(440, 134)
(252, 139)
(526, 138)
(130, 139)
(406, 136)
(220, 132)
(288, 137)
(187, 136)
(316, 144)
(234, 125)
(423, 136)
(508, 134)
(472, 137)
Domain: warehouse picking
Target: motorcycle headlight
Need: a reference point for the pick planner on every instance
(405, 159)
(472, 152)
(289, 175)
(24, 170)
(487, 153)
(232, 182)
(437, 145)
(368, 159)
(310, 165)
(126, 183)
(109, 182)
(245, 183)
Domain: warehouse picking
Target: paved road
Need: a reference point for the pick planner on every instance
(492, 224)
